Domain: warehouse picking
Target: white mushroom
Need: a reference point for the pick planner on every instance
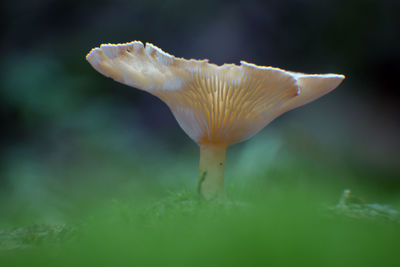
(217, 106)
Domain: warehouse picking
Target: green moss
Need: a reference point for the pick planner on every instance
(180, 229)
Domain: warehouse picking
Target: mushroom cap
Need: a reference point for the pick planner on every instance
(213, 104)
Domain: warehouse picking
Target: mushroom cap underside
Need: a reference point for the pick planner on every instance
(213, 104)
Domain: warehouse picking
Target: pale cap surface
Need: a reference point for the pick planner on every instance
(213, 104)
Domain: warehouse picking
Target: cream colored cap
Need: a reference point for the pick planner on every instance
(213, 104)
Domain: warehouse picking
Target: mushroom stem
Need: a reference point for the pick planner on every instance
(212, 166)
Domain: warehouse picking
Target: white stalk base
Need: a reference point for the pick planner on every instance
(212, 168)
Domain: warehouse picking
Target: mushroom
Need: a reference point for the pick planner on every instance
(217, 106)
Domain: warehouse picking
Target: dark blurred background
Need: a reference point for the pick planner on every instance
(67, 130)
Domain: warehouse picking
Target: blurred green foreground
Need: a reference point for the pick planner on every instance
(285, 220)
(273, 230)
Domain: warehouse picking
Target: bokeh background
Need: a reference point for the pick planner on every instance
(70, 135)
